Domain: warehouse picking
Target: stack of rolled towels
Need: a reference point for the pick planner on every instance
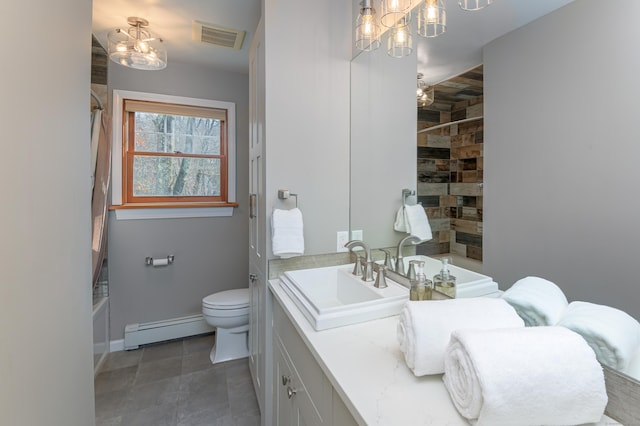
(613, 334)
(496, 370)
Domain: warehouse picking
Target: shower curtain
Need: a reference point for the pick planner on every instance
(101, 177)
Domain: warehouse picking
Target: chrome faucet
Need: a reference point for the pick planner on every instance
(399, 262)
(367, 270)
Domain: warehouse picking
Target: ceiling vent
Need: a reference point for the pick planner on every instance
(219, 36)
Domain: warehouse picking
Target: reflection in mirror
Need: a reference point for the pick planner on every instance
(383, 143)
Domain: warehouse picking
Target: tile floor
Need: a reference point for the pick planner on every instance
(174, 384)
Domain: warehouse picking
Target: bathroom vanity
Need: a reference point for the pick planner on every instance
(353, 374)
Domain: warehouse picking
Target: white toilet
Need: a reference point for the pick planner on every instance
(228, 311)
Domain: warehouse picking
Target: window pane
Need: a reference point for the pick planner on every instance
(171, 176)
(170, 133)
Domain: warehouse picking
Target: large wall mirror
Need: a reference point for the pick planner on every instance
(385, 142)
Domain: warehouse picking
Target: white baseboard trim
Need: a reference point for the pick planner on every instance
(116, 345)
(158, 331)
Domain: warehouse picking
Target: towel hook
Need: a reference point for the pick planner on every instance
(406, 193)
(284, 194)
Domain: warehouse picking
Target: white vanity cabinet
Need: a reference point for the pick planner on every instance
(302, 394)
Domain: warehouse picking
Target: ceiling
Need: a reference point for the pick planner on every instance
(460, 47)
(457, 50)
(171, 20)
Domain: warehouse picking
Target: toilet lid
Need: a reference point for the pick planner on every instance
(228, 299)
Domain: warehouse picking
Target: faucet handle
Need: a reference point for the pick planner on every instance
(381, 281)
(357, 268)
(387, 258)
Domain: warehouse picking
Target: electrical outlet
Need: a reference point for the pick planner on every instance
(343, 238)
(357, 235)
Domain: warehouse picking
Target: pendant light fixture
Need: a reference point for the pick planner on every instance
(136, 48)
(392, 11)
(400, 41)
(432, 18)
(367, 28)
(474, 4)
(424, 94)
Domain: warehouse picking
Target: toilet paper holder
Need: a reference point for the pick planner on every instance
(149, 260)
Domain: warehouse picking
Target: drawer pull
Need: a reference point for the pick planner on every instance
(285, 380)
(290, 392)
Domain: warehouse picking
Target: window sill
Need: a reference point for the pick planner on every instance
(172, 210)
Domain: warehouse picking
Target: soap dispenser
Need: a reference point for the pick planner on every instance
(444, 282)
(421, 287)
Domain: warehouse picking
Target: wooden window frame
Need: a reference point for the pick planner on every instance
(122, 199)
(130, 109)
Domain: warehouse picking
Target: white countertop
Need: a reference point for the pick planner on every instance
(366, 367)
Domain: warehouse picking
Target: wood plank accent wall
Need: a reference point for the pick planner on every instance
(450, 167)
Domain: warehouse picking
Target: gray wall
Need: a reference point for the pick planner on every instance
(307, 113)
(211, 253)
(46, 361)
(561, 153)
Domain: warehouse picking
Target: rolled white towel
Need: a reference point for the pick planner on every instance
(613, 334)
(524, 376)
(537, 301)
(425, 327)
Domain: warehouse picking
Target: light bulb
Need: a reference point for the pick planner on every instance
(142, 46)
(401, 35)
(432, 14)
(367, 21)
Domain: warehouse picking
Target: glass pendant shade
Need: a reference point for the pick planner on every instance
(424, 94)
(432, 18)
(392, 11)
(367, 29)
(474, 4)
(136, 48)
(400, 41)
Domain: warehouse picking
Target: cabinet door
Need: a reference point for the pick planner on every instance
(257, 224)
(283, 413)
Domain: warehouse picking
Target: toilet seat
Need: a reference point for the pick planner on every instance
(227, 300)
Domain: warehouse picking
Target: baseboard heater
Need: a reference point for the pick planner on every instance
(158, 331)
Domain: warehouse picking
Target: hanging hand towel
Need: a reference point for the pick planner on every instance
(613, 334)
(400, 224)
(524, 376)
(537, 301)
(287, 236)
(413, 220)
(425, 327)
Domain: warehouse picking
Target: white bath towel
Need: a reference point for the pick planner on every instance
(524, 376)
(537, 301)
(613, 334)
(425, 327)
(287, 233)
(413, 220)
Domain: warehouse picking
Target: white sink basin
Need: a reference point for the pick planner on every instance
(332, 297)
(468, 283)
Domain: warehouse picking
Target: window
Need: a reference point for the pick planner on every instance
(173, 153)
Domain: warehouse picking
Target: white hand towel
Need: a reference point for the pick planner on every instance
(612, 334)
(417, 222)
(524, 376)
(425, 327)
(287, 233)
(537, 301)
(400, 224)
(413, 220)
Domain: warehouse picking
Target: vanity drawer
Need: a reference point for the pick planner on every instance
(303, 364)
